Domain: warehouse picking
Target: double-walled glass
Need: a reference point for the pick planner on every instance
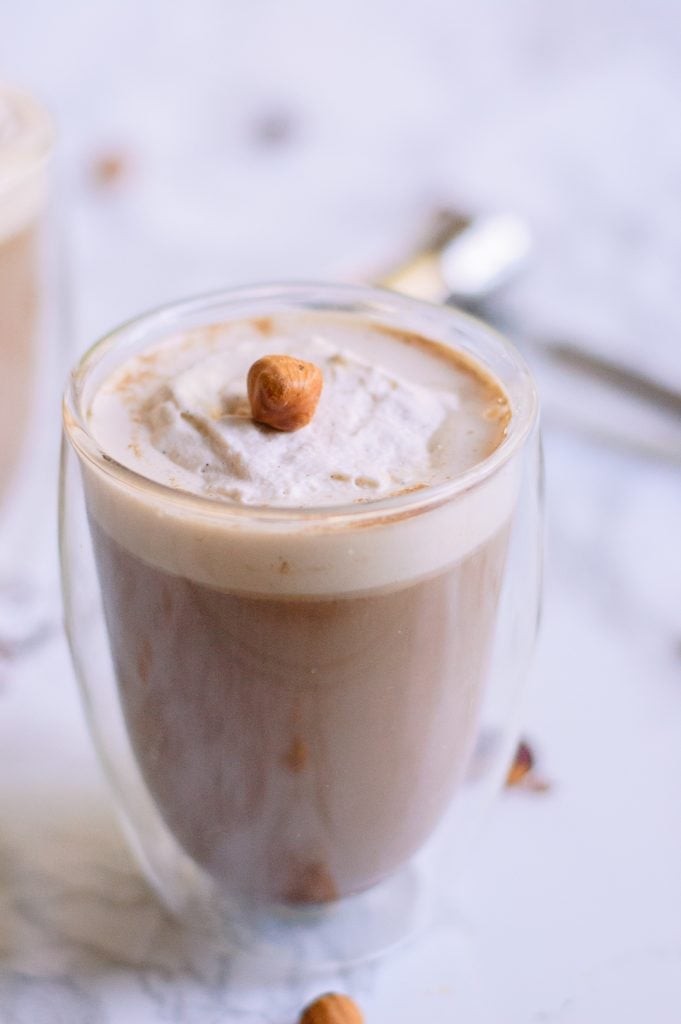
(300, 709)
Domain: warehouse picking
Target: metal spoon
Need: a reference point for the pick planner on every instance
(466, 260)
(462, 259)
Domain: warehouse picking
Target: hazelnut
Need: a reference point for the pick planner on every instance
(332, 1009)
(284, 391)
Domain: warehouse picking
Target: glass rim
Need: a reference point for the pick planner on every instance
(303, 295)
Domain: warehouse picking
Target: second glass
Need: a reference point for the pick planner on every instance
(31, 312)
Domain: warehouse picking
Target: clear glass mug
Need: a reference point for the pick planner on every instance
(291, 765)
(30, 323)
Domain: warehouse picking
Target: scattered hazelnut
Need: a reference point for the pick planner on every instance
(108, 169)
(284, 391)
(332, 1009)
(522, 772)
(312, 884)
(273, 127)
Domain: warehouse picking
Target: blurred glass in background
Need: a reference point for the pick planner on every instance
(29, 328)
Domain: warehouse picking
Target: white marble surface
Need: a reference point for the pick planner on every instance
(564, 112)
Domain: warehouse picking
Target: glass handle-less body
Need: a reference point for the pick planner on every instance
(290, 766)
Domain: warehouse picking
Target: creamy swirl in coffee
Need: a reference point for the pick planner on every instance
(180, 415)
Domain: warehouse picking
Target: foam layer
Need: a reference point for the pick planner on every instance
(421, 414)
(179, 414)
(25, 141)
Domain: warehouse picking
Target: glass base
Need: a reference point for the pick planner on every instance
(281, 942)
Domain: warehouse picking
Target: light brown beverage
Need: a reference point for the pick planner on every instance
(18, 315)
(302, 706)
(300, 749)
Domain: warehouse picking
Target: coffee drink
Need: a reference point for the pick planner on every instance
(300, 621)
(24, 141)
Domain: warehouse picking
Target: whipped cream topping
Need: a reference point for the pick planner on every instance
(396, 409)
(179, 414)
